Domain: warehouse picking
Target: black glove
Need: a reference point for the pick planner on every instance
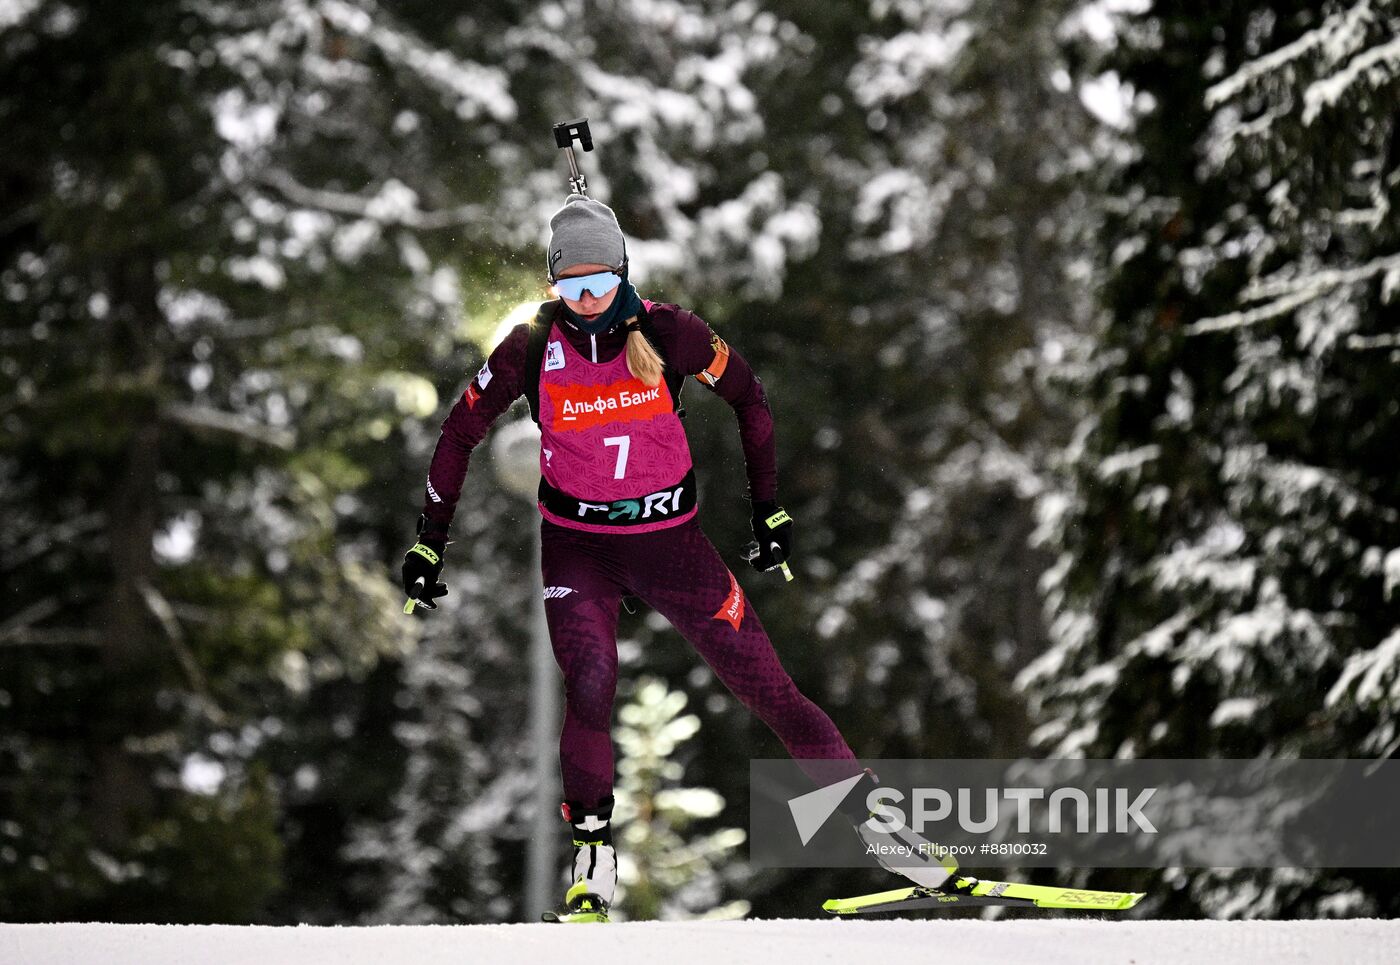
(772, 529)
(421, 567)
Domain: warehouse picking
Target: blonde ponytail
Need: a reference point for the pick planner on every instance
(642, 359)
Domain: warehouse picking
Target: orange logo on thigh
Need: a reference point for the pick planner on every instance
(733, 608)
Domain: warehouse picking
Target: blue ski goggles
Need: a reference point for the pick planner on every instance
(599, 283)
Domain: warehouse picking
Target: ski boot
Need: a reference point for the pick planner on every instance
(594, 865)
(903, 852)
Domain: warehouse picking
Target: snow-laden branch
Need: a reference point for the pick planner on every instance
(30, 615)
(478, 89)
(1361, 343)
(19, 630)
(54, 534)
(1380, 64)
(52, 637)
(1291, 293)
(1369, 676)
(257, 41)
(204, 417)
(395, 204)
(1340, 34)
(1328, 279)
(1253, 316)
(160, 608)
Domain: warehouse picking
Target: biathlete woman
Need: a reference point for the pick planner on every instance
(602, 368)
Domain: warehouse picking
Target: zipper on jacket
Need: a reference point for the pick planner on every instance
(594, 340)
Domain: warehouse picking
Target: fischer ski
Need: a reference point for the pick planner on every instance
(965, 891)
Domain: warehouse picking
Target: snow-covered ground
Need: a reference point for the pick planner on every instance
(901, 942)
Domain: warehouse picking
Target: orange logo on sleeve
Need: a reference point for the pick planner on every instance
(733, 608)
(579, 407)
(712, 372)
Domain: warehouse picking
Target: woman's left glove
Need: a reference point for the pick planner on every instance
(772, 530)
(422, 565)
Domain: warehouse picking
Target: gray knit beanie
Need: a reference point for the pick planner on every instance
(584, 232)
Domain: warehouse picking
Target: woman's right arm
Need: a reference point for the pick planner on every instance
(490, 392)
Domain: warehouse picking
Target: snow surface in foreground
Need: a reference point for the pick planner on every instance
(902, 942)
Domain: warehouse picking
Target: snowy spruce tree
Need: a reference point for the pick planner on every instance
(212, 210)
(962, 215)
(1226, 536)
(670, 866)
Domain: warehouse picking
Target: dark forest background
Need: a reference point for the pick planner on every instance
(1080, 322)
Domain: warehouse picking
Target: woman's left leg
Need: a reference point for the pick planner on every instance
(680, 574)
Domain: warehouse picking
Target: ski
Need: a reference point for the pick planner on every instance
(976, 891)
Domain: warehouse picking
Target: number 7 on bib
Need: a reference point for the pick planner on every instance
(623, 443)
